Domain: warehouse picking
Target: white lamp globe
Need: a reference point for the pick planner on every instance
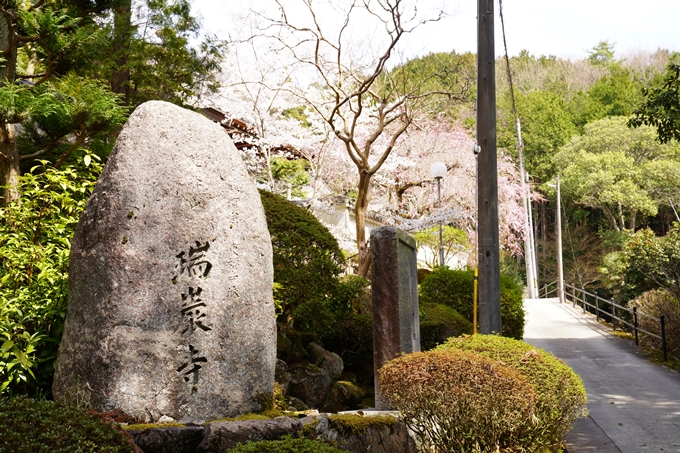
(438, 170)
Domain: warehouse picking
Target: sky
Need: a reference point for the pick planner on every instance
(566, 29)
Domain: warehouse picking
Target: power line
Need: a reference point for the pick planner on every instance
(529, 247)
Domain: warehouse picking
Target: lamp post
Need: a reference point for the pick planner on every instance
(438, 171)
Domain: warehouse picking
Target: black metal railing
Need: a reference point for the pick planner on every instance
(610, 311)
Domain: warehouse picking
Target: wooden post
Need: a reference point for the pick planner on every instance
(487, 193)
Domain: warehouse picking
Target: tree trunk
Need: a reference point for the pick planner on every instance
(612, 220)
(622, 221)
(544, 241)
(360, 208)
(9, 153)
(9, 164)
(122, 36)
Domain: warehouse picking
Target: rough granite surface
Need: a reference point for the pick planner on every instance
(170, 280)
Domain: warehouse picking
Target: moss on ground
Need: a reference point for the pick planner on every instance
(350, 424)
(144, 426)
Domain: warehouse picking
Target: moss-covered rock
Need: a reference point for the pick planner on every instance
(343, 395)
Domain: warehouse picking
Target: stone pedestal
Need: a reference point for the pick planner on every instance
(396, 326)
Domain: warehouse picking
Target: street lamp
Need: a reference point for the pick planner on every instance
(438, 171)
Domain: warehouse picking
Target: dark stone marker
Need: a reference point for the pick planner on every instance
(396, 319)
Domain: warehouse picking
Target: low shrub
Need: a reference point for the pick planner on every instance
(30, 426)
(455, 289)
(438, 323)
(458, 401)
(560, 395)
(656, 303)
(342, 324)
(450, 287)
(287, 445)
(512, 308)
(35, 233)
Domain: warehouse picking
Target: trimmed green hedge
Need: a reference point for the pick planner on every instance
(307, 258)
(458, 401)
(560, 395)
(438, 323)
(455, 288)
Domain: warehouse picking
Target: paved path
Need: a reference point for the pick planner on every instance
(634, 405)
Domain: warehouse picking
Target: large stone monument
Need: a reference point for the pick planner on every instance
(394, 287)
(170, 281)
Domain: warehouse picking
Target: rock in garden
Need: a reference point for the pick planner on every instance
(170, 280)
(311, 381)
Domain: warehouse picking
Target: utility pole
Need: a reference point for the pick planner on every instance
(488, 251)
(558, 227)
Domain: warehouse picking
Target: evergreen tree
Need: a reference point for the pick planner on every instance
(72, 66)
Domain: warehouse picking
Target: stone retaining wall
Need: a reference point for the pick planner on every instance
(218, 437)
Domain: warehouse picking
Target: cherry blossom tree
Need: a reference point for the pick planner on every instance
(255, 96)
(405, 194)
(366, 109)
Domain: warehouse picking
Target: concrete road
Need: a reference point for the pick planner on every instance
(634, 405)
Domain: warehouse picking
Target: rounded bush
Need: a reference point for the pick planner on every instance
(458, 401)
(455, 288)
(286, 445)
(307, 258)
(33, 426)
(438, 323)
(560, 395)
(512, 308)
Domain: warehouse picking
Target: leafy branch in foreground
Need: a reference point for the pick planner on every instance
(34, 256)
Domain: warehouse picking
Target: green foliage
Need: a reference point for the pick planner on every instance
(33, 426)
(450, 287)
(298, 113)
(655, 303)
(621, 171)
(647, 261)
(455, 289)
(602, 54)
(65, 112)
(163, 64)
(307, 258)
(341, 321)
(290, 174)
(512, 308)
(560, 395)
(438, 323)
(459, 401)
(614, 94)
(35, 234)
(60, 111)
(660, 107)
(286, 445)
(451, 74)
(546, 125)
(454, 240)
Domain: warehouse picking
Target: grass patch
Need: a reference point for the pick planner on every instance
(655, 356)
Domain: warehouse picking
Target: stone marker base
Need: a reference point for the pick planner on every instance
(218, 437)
